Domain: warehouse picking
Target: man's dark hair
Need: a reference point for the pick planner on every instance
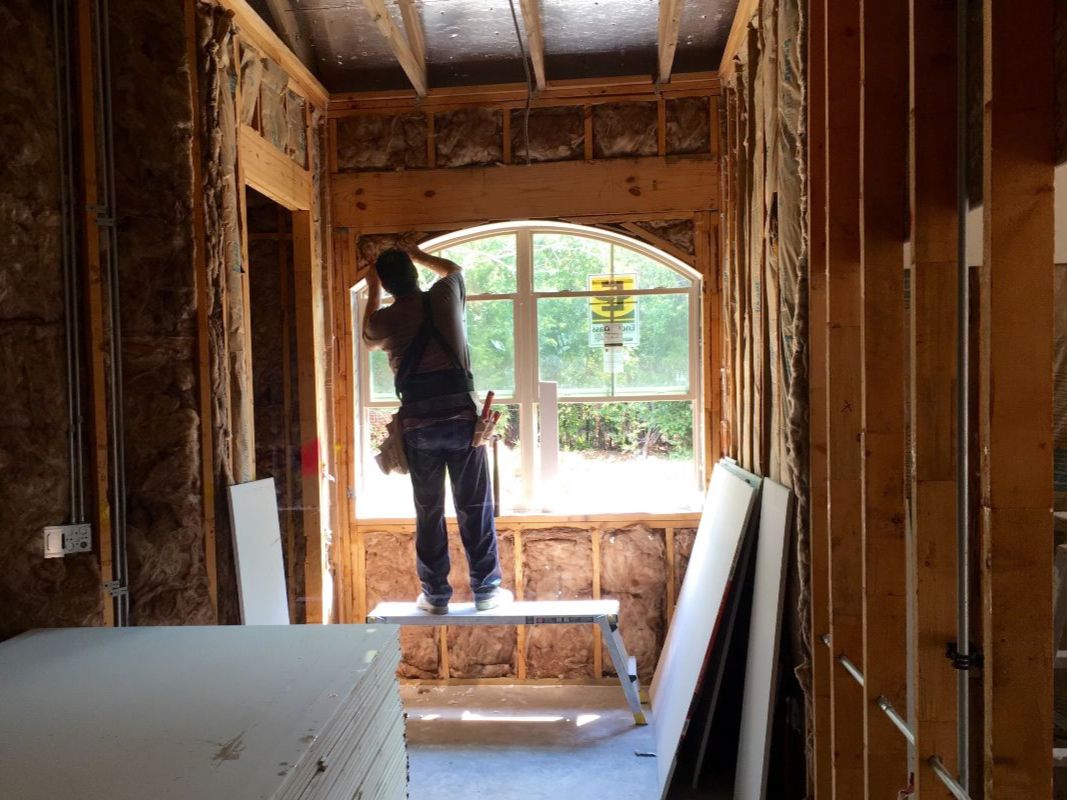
(397, 272)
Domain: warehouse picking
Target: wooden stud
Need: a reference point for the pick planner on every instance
(383, 201)
(1015, 396)
(431, 140)
(361, 577)
(409, 13)
(505, 130)
(883, 215)
(331, 145)
(413, 67)
(661, 126)
(934, 328)
(443, 667)
(670, 21)
(708, 296)
(587, 132)
(285, 291)
(595, 533)
(822, 666)
(306, 288)
(343, 451)
(672, 577)
(843, 351)
(535, 39)
(93, 281)
(206, 408)
(746, 10)
(520, 636)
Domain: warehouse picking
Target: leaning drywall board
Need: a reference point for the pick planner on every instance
(257, 541)
(698, 610)
(171, 713)
(761, 665)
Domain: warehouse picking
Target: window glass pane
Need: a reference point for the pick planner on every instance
(659, 362)
(566, 357)
(381, 377)
(563, 262)
(651, 274)
(488, 264)
(491, 335)
(653, 358)
(634, 456)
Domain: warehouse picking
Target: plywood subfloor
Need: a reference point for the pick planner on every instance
(528, 742)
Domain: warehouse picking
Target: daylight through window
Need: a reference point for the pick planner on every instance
(580, 332)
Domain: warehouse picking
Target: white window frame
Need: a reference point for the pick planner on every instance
(527, 363)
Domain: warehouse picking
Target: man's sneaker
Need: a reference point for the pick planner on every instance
(498, 597)
(424, 604)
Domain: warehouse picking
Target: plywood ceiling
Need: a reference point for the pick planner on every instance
(473, 41)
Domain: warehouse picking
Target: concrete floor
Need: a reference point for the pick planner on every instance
(528, 742)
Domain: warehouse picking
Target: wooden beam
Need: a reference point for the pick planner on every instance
(306, 288)
(843, 390)
(281, 12)
(535, 39)
(670, 21)
(1015, 397)
(413, 67)
(409, 13)
(206, 403)
(258, 33)
(95, 303)
(934, 328)
(821, 664)
(513, 95)
(271, 172)
(746, 10)
(883, 216)
(408, 200)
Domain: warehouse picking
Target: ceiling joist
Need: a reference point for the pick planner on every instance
(413, 28)
(670, 21)
(414, 67)
(535, 39)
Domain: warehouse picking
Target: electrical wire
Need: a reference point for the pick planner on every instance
(529, 81)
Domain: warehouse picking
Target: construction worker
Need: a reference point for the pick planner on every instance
(423, 334)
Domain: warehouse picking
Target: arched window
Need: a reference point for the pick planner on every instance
(590, 341)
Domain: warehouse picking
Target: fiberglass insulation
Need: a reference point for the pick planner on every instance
(154, 184)
(558, 565)
(469, 137)
(34, 592)
(625, 129)
(381, 142)
(633, 570)
(556, 134)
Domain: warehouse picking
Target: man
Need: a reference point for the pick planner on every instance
(424, 337)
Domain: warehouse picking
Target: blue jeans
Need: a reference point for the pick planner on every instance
(430, 450)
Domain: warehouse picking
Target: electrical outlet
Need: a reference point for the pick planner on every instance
(62, 540)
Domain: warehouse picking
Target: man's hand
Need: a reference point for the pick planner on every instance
(442, 266)
(374, 292)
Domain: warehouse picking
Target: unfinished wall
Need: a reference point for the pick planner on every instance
(475, 651)
(154, 120)
(33, 429)
(555, 134)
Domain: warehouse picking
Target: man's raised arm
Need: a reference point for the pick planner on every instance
(442, 266)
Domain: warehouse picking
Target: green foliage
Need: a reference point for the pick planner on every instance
(664, 428)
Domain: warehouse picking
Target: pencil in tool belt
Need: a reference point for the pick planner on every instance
(487, 406)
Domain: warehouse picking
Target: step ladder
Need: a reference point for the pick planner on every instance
(603, 613)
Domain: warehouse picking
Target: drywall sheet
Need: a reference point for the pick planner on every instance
(212, 713)
(257, 544)
(761, 664)
(727, 508)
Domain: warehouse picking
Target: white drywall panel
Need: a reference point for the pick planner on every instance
(257, 544)
(761, 665)
(700, 604)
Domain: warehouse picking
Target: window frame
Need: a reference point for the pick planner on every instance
(525, 301)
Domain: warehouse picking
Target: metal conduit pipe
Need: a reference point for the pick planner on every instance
(851, 669)
(950, 782)
(898, 721)
(61, 29)
(963, 422)
(106, 220)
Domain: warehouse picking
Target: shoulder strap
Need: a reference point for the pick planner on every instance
(413, 355)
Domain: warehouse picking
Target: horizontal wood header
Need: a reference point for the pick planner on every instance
(270, 171)
(387, 202)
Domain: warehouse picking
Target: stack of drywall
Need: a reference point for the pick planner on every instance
(281, 712)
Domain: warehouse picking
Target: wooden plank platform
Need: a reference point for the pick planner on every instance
(530, 612)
